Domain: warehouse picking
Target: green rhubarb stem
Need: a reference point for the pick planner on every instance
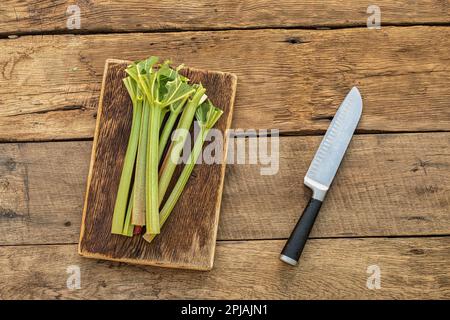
(165, 134)
(182, 180)
(184, 177)
(163, 114)
(128, 227)
(174, 154)
(152, 213)
(127, 171)
(138, 217)
(175, 110)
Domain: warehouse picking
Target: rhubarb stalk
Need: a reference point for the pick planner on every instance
(129, 160)
(207, 115)
(175, 110)
(156, 90)
(128, 227)
(162, 88)
(174, 154)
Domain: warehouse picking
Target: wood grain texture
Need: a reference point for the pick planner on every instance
(50, 84)
(392, 184)
(415, 268)
(18, 17)
(189, 235)
(386, 185)
(42, 186)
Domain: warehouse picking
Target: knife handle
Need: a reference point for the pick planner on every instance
(296, 242)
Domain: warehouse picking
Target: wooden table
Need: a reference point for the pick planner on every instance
(389, 206)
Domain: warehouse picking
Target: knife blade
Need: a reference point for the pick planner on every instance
(322, 170)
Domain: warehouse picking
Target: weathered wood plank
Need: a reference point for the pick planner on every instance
(289, 79)
(392, 184)
(18, 17)
(41, 191)
(413, 268)
(386, 185)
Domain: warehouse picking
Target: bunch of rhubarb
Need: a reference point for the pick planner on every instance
(161, 98)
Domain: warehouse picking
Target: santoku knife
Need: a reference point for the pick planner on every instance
(322, 170)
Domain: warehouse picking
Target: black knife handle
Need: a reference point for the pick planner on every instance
(296, 242)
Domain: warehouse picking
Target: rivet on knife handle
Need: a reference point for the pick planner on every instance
(322, 170)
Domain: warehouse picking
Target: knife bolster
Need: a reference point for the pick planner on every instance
(319, 190)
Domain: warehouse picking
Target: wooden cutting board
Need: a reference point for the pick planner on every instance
(188, 237)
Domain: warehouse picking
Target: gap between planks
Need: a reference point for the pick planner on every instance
(320, 133)
(13, 36)
(259, 240)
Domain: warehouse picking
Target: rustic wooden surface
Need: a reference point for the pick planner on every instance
(398, 181)
(389, 205)
(188, 238)
(124, 16)
(405, 71)
(411, 268)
